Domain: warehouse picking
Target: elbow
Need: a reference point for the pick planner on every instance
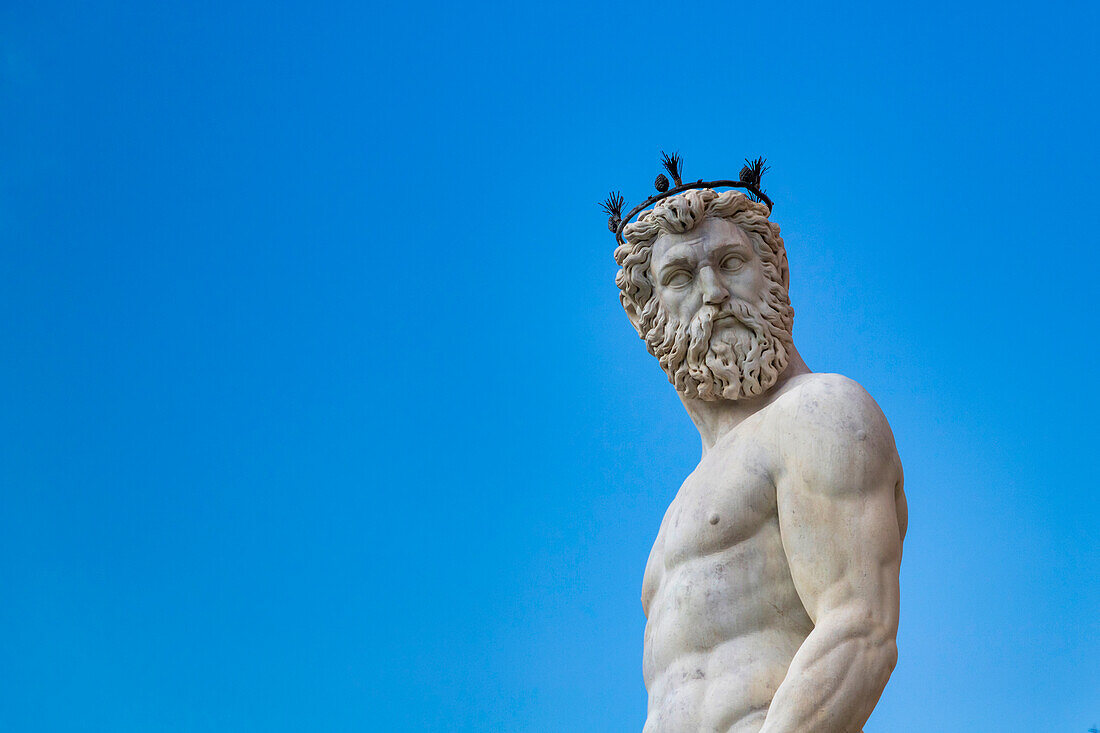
(881, 637)
(890, 654)
(877, 646)
(874, 635)
(879, 643)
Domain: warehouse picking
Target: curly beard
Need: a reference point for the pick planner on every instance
(733, 364)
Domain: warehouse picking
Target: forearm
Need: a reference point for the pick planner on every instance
(835, 679)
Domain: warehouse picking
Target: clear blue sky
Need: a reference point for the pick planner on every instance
(321, 412)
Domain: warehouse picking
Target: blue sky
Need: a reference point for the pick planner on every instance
(322, 413)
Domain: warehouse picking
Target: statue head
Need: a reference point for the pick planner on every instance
(704, 281)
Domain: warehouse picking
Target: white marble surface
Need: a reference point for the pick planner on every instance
(771, 592)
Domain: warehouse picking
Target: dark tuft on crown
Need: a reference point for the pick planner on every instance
(751, 174)
(674, 165)
(613, 205)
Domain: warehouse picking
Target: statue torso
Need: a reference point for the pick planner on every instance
(724, 618)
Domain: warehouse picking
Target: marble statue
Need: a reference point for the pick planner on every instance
(771, 592)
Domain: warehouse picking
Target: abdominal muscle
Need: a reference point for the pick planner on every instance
(722, 630)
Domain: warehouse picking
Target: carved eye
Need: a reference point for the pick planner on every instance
(678, 279)
(732, 262)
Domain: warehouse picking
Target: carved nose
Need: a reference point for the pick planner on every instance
(714, 293)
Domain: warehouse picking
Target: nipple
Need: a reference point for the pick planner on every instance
(714, 518)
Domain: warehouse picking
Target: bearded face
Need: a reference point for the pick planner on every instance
(718, 323)
(720, 353)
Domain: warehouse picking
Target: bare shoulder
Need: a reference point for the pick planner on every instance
(832, 400)
(828, 424)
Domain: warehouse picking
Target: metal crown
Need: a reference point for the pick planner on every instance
(749, 180)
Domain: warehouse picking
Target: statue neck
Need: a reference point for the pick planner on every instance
(714, 420)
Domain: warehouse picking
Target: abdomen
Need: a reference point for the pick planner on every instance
(722, 631)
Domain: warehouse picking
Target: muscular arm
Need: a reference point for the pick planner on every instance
(841, 515)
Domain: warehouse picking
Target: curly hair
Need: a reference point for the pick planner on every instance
(681, 214)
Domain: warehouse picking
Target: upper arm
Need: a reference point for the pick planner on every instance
(838, 513)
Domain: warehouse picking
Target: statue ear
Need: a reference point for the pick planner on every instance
(631, 312)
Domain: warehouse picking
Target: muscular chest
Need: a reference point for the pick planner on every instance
(723, 503)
